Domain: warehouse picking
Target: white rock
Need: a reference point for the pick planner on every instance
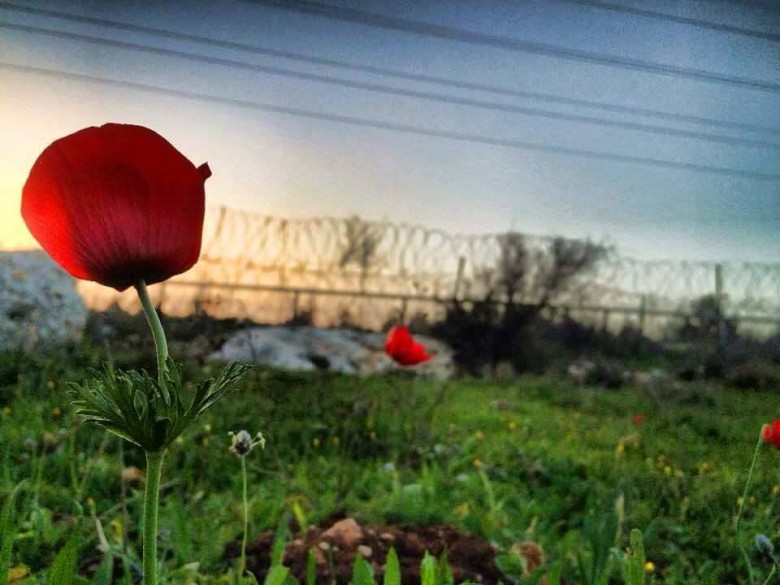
(39, 305)
(342, 350)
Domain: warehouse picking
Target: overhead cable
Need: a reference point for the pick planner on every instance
(389, 90)
(417, 27)
(392, 73)
(398, 127)
(663, 16)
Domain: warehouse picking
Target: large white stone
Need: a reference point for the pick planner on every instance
(343, 350)
(39, 305)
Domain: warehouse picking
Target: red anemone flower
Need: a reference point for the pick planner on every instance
(771, 433)
(116, 204)
(400, 346)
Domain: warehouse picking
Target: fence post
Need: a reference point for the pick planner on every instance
(295, 302)
(642, 314)
(402, 317)
(459, 277)
(720, 304)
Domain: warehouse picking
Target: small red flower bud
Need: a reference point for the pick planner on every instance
(400, 346)
(116, 204)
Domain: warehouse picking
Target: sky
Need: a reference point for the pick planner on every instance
(283, 138)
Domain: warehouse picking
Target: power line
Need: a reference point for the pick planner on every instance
(385, 89)
(663, 16)
(396, 127)
(393, 73)
(466, 36)
(770, 6)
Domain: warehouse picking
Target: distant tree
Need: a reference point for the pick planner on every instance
(360, 246)
(707, 321)
(522, 283)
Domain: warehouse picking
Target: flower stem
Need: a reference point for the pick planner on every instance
(749, 478)
(769, 577)
(154, 459)
(742, 505)
(154, 462)
(156, 326)
(242, 563)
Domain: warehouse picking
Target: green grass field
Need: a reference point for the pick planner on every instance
(536, 458)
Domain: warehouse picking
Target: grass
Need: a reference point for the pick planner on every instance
(538, 458)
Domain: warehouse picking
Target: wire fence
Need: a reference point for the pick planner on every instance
(271, 269)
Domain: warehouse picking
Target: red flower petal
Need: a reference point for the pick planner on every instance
(400, 346)
(771, 433)
(116, 204)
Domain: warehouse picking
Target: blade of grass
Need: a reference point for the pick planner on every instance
(63, 570)
(7, 534)
(392, 569)
(362, 572)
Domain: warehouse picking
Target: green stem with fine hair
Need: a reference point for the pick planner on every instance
(242, 562)
(154, 459)
(749, 478)
(154, 462)
(156, 326)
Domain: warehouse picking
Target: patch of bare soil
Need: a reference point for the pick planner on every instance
(338, 543)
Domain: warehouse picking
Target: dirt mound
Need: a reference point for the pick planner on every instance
(336, 544)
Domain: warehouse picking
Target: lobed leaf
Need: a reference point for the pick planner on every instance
(143, 410)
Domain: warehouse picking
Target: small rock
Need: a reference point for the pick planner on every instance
(345, 533)
(387, 537)
(132, 475)
(319, 556)
(364, 551)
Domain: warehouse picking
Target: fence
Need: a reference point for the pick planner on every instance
(271, 269)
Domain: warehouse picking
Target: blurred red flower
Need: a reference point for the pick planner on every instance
(771, 433)
(400, 346)
(116, 204)
(638, 419)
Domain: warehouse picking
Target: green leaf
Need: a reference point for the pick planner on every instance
(444, 572)
(554, 577)
(248, 579)
(428, 570)
(392, 569)
(7, 532)
(362, 572)
(63, 570)
(105, 571)
(144, 410)
(635, 573)
(276, 575)
(211, 391)
(281, 535)
(311, 567)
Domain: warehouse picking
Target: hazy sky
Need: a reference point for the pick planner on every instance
(291, 164)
